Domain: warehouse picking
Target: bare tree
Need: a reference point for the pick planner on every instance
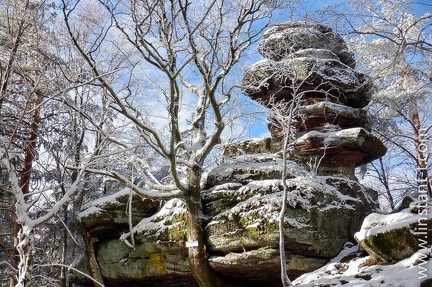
(36, 143)
(167, 68)
(22, 87)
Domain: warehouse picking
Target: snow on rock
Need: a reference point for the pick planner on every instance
(377, 223)
(322, 114)
(393, 237)
(243, 196)
(347, 147)
(353, 269)
(308, 62)
(252, 167)
(154, 252)
(323, 213)
(289, 37)
(109, 213)
(268, 80)
(168, 224)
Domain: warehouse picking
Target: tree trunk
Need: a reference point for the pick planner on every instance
(63, 275)
(24, 184)
(91, 256)
(12, 280)
(88, 240)
(24, 250)
(30, 146)
(384, 180)
(198, 258)
(421, 149)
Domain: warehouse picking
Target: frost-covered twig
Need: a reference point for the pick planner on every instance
(129, 213)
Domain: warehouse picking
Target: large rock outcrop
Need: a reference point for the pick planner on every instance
(309, 78)
(300, 35)
(323, 213)
(241, 203)
(243, 196)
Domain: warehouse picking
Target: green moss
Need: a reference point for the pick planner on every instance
(177, 231)
(146, 261)
(263, 229)
(155, 264)
(389, 245)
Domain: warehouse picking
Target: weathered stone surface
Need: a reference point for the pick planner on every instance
(151, 263)
(320, 115)
(246, 168)
(310, 67)
(252, 146)
(106, 216)
(282, 40)
(349, 147)
(322, 215)
(159, 256)
(243, 196)
(354, 268)
(269, 81)
(323, 54)
(324, 117)
(396, 236)
(242, 227)
(257, 267)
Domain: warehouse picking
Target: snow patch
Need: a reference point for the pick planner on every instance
(376, 223)
(94, 206)
(358, 273)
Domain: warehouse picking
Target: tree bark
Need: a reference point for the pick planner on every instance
(30, 147)
(422, 167)
(63, 275)
(198, 258)
(25, 175)
(91, 256)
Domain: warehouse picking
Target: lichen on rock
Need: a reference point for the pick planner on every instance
(394, 237)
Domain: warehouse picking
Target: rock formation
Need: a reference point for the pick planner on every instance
(241, 204)
(389, 238)
(243, 196)
(309, 66)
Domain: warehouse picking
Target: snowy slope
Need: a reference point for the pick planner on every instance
(359, 271)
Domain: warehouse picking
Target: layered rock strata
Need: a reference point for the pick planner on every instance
(309, 72)
(241, 205)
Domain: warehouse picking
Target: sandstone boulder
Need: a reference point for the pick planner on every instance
(243, 196)
(320, 116)
(107, 216)
(269, 82)
(324, 117)
(156, 256)
(241, 226)
(394, 237)
(290, 37)
(323, 213)
(251, 167)
(348, 147)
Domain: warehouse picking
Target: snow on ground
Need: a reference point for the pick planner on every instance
(359, 271)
